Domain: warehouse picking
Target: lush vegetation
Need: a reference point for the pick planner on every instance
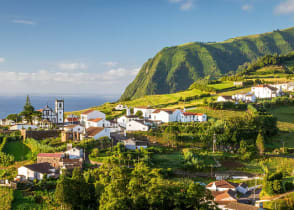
(176, 68)
(117, 187)
(6, 197)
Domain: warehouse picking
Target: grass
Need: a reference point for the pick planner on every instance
(173, 160)
(6, 197)
(19, 150)
(223, 85)
(285, 116)
(218, 114)
(33, 200)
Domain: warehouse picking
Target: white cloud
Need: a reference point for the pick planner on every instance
(2, 60)
(110, 64)
(247, 7)
(72, 66)
(113, 81)
(286, 7)
(184, 4)
(25, 22)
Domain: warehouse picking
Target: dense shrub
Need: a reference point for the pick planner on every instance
(227, 106)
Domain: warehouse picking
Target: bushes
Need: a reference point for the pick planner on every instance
(227, 106)
(36, 147)
(5, 159)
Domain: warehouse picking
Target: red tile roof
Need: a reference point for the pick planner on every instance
(88, 111)
(55, 155)
(169, 111)
(72, 119)
(223, 184)
(93, 131)
(192, 113)
(96, 120)
(267, 86)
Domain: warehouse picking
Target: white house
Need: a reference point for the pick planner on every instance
(223, 185)
(91, 114)
(74, 128)
(245, 97)
(75, 153)
(36, 171)
(23, 126)
(97, 122)
(166, 115)
(193, 117)
(123, 120)
(147, 111)
(224, 98)
(136, 125)
(266, 91)
(96, 132)
(120, 107)
(6, 122)
(133, 144)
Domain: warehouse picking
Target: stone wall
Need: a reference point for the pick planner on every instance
(39, 135)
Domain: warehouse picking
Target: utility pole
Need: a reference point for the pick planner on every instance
(214, 143)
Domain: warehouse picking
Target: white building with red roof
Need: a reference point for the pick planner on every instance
(266, 91)
(89, 115)
(193, 117)
(97, 122)
(166, 115)
(96, 132)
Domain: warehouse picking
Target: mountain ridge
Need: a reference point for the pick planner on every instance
(175, 68)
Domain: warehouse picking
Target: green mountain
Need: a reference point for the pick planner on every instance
(176, 68)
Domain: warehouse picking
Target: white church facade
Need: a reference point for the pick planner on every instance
(55, 116)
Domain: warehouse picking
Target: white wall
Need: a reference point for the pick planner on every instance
(136, 126)
(104, 133)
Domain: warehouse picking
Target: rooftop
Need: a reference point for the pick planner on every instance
(88, 111)
(223, 184)
(96, 120)
(40, 167)
(169, 111)
(53, 155)
(93, 131)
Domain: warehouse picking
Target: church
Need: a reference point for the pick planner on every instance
(54, 116)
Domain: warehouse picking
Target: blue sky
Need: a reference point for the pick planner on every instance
(96, 47)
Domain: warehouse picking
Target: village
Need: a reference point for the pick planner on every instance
(93, 125)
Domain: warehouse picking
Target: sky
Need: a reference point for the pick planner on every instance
(96, 47)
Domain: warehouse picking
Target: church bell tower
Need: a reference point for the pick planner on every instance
(59, 110)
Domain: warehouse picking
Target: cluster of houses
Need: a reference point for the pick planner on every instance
(227, 194)
(151, 117)
(259, 91)
(52, 164)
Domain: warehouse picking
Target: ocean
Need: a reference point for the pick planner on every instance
(14, 104)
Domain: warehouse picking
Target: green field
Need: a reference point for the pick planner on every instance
(218, 114)
(173, 160)
(19, 150)
(285, 116)
(6, 197)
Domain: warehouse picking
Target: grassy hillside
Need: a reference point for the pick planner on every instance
(176, 68)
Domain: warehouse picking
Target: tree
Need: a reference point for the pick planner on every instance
(139, 114)
(28, 110)
(14, 117)
(260, 143)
